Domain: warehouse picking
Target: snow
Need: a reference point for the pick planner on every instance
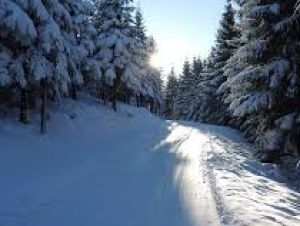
(252, 103)
(50, 36)
(14, 22)
(271, 140)
(40, 67)
(258, 11)
(18, 72)
(287, 122)
(5, 59)
(97, 167)
(36, 7)
(246, 191)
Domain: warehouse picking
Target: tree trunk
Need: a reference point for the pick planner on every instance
(43, 105)
(114, 98)
(74, 91)
(151, 105)
(142, 101)
(137, 100)
(24, 106)
(115, 88)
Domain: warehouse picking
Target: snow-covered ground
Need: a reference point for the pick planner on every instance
(96, 167)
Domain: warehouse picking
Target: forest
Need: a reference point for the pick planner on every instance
(250, 81)
(58, 48)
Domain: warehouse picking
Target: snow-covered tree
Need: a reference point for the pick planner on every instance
(193, 89)
(83, 48)
(18, 32)
(227, 33)
(226, 43)
(183, 96)
(264, 81)
(37, 38)
(197, 66)
(170, 92)
(213, 77)
(139, 27)
(115, 43)
(50, 48)
(123, 51)
(202, 104)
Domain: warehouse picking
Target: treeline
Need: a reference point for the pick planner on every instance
(56, 48)
(250, 80)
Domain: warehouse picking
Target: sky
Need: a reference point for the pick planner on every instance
(181, 28)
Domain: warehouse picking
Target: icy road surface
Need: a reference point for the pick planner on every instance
(132, 169)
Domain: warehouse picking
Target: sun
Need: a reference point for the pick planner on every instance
(155, 60)
(171, 52)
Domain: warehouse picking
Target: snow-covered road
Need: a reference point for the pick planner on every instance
(223, 184)
(132, 169)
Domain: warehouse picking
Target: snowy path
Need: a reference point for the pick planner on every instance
(132, 169)
(223, 184)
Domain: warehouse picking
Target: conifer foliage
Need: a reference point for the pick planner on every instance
(55, 48)
(171, 92)
(251, 78)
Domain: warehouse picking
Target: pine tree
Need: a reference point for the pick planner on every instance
(53, 48)
(170, 93)
(197, 66)
(225, 47)
(183, 96)
(140, 30)
(213, 78)
(115, 43)
(203, 101)
(193, 102)
(265, 85)
(24, 106)
(18, 32)
(123, 51)
(148, 79)
(41, 45)
(225, 35)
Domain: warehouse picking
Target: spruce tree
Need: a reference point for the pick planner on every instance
(53, 48)
(182, 107)
(225, 35)
(139, 28)
(265, 85)
(197, 66)
(193, 101)
(170, 93)
(214, 77)
(115, 43)
(224, 49)
(203, 104)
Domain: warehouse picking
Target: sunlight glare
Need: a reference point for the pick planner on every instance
(171, 52)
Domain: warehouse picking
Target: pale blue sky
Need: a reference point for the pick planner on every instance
(182, 28)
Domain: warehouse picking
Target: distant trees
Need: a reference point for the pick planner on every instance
(181, 107)
(171, 92)
(54, 48)
(197, 97)
(181, 92)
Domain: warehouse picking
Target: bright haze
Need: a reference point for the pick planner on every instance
(181, 28)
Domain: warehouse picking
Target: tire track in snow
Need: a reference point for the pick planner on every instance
(191, 178)
(225, 216)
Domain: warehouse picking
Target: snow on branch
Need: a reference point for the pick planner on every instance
(14, 22)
